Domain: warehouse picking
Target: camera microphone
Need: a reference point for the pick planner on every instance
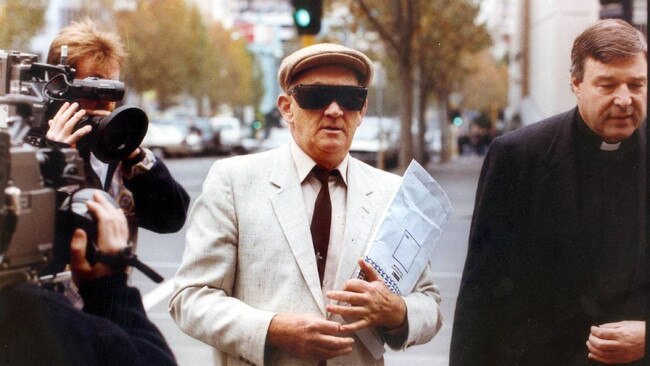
(64, 55)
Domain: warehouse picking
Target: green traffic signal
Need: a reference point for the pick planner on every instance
(307, 15)
(455, 117)
(302, 18)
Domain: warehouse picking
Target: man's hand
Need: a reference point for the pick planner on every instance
(112, 236)
(308, 336)
(615, 343)
(63, 123)
(372, 304)
(135, 153)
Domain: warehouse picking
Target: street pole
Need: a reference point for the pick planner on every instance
(380, 78)
(307, 40)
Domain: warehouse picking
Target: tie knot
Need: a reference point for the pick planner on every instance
(323, 174)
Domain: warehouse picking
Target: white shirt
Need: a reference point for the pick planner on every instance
(338, 195)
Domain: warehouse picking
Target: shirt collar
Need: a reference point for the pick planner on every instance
(590, 142)
(304, 163)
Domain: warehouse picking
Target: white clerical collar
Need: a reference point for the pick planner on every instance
(609, 147)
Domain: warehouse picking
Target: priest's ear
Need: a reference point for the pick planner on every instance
(575, 86)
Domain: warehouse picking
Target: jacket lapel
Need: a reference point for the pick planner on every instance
(558, 173)
(362, 198)
(289, 207)
(557, 203)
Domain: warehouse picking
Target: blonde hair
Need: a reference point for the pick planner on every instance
(86, 39)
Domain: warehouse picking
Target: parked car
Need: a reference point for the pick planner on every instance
(209, 140)
(164, 140)
(374, 136)
(277, 137)
(173, 137)
(230, 134)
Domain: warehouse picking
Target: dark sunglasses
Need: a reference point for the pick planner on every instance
(318, 96)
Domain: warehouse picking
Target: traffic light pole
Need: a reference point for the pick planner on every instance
(307, 40)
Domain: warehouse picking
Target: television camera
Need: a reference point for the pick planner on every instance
(42, 182)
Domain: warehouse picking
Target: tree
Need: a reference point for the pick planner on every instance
(396, 22)
(232, 75)
(21, 20)
(490, 75)
(427, 41)
(174, 53)
(162, 43)
(447, 41)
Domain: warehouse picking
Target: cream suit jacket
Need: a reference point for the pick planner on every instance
(249, 256)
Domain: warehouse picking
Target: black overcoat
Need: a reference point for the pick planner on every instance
(520, 300)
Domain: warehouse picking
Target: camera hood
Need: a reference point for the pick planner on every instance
(117, 135)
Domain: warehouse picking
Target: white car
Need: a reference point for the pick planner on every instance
(278, 136)
(376, 136)
(171, 138)
(230, 133)
(164, 140)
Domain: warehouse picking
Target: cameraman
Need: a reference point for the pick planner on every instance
(40, 327)
(141, 184)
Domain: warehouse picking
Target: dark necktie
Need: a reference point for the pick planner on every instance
(322, 218)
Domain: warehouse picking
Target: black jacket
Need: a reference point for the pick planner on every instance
(41, 327)
(521, 297)
(161, 202)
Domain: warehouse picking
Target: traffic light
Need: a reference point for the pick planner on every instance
(307, 15)
(455, 117)
(618, 9)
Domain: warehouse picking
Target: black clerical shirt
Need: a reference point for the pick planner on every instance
(608, 202)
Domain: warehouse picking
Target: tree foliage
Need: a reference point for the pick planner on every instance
(448, 36)
(158, 39)
(446, 43)
(490, 75)
(429, 42)
(20, 20)
(174, 53)
(396, 23)
(232, 75)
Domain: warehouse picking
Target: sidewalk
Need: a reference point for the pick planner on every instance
(459, 179)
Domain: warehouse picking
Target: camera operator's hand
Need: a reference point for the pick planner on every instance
(112, 237)
(63, 123)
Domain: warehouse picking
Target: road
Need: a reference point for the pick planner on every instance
(164, 252)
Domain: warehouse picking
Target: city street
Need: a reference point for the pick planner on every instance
(163, 252)
(220, 77)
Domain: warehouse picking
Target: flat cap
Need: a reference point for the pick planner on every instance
(324, 54)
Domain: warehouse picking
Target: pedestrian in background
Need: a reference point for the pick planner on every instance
(275, 237)
(556, 267)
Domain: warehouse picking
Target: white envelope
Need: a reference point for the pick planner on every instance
(404, 241)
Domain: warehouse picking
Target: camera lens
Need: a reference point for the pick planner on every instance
(117, 135)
